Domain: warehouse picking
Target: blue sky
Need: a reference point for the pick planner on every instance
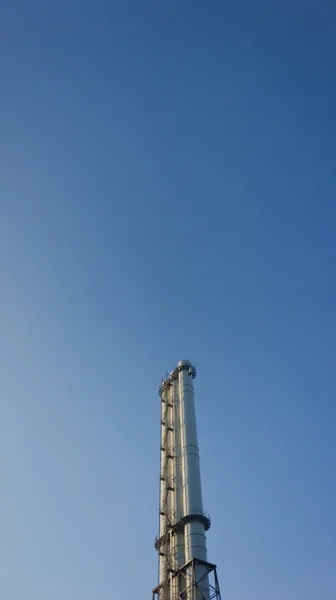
(167, 191)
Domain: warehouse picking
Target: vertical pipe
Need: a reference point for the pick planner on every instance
(179, 553)
(170, 480)
(179, 546)
(170, 452)
(194, 531)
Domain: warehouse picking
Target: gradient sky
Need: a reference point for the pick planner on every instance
(168, 191)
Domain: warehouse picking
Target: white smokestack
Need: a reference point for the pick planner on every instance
(183, 567)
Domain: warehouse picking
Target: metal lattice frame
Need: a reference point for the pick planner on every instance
(190, 585)
(164, 544)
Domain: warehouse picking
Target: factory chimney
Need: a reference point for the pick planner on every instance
(184, 570)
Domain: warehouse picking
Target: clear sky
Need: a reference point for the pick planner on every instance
(167, 191)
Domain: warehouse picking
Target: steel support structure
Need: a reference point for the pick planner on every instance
(189, 586)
